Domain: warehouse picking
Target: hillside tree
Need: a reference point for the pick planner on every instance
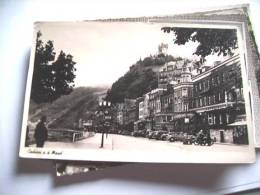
(51, 78)
(211, 41)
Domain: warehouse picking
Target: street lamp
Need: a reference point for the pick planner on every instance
(103, 113)
(151, 117)
(187, 122)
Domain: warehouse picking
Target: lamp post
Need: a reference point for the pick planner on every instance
(151, 117)
(103, 113)
(187, 122)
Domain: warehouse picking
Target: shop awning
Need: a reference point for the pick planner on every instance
(183, 115)
(238, 123)
(140, 121)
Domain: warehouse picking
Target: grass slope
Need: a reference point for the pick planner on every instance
(68, 109)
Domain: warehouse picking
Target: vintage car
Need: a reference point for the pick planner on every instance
(189, 139)
(159, 134)
(152, 134)
(176, 137)
(171, 137)
(147, 132)
(164, 136)
(139, 133)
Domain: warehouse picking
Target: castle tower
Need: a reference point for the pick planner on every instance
(163, 48)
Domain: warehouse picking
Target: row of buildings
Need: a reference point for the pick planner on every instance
(189, 99)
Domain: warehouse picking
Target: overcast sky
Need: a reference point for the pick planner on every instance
(103, 52)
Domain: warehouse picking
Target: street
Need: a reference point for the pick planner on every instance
(124, 142)
(134, 143)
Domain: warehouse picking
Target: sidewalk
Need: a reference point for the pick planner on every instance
(96, 140)
(93, 142)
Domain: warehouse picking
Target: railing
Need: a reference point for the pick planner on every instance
(67, 134)
(63, 135)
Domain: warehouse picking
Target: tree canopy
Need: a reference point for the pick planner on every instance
(211, 41)
(157, 60)
(51, 77)
(139, 80)
(132, 85)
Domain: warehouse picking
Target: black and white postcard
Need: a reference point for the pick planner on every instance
(138, 91)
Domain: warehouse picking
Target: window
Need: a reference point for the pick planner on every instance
(220, 119)
(184, 92)
(217, 80)
(230, 96)
(210, 119)
(212, 81)
(200, 86)
(221, 78)
(227, 118)
(205, 101)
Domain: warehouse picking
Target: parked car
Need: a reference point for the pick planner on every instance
(189, 139)
(156, 134)
(164, 136)
(159, 134)
(151, 134)
(170, 136)
(176, 137)
(142, 133)
(181, 137)
(135, 133)
(126, 132)
(147, 132)
(139, 133)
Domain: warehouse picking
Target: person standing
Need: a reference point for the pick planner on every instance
(41, 132)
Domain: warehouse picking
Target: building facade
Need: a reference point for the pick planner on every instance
(129, 114)
(188, 100)
(182, 94)
(120, 113)
(170, 73)
(164, 117)
(218, 100)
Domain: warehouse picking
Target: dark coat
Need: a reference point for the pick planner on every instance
(41, 133)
